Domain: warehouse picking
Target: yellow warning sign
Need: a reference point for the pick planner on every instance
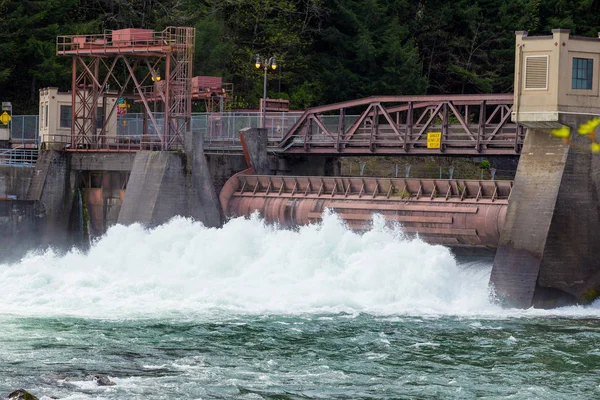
(434, 140)
(5, 118)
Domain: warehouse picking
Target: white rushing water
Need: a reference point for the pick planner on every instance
(248, 267)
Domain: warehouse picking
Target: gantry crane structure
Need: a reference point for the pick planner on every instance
(131, 60)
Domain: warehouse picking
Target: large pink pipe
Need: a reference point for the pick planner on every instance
(455, 213)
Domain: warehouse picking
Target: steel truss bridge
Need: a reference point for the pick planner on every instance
(395, 125)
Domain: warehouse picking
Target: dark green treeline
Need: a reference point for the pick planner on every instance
(328, 50)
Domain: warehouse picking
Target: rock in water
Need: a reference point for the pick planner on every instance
(21, 394)
(102, 380)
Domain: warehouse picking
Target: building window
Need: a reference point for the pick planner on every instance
(65, 116)
(582, 73)
(99, 117)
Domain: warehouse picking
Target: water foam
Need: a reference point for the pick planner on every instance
(246, 266)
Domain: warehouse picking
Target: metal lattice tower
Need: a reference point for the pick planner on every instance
(129, 61)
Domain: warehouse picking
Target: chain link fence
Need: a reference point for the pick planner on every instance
(218, 129)
(402, 170)
(24, 128)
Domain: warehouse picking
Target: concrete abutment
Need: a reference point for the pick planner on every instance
(548, 250)
(161, 187)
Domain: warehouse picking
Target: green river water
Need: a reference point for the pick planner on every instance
(251, 311)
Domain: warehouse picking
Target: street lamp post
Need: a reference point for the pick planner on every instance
(265, 64)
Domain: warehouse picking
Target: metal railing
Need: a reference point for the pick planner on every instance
(174, 38)
(19, 157)
(219, 130)
(222, 129)
(122, 143)
(394, 125)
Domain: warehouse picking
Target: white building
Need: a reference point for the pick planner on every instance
(56, 117)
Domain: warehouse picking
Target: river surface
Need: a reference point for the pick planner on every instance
(250, 311)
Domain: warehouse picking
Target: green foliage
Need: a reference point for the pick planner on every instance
(308, 94)
(401, 193)
(404, 194)
(485, 164)
(590, 295)
(328, 50)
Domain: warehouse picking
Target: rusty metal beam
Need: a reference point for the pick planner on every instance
(389, 151)
(460, 212)
(376, 132)
(457, 98)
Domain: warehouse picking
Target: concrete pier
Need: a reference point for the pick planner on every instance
(160, 188)
(52, 184)
(254, 142)
(166, 184)
(548, 250)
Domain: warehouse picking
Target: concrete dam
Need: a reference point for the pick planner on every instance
(543, 224)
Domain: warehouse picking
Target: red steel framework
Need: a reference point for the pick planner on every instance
(469, 124)
(141, 53)
(450, 212)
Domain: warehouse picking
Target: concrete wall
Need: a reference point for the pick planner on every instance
(532, 202)
(161, 186)
(222, 167)
(151, 173)
(20, 224)
(101, 161)
(14, 181)
(203, 202)
(571, 262)
(52, 184)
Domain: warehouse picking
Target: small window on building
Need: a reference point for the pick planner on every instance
(99, 117)
(582, 73)
(46, 115)
(65, 116)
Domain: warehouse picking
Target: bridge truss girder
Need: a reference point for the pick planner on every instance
(469, 124)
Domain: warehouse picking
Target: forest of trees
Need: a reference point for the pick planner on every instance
(327, 50)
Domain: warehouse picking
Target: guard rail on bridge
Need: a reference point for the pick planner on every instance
(383, 125)
(18, 157)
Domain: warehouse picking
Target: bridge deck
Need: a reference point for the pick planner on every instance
(467, 124)
(393, 125)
